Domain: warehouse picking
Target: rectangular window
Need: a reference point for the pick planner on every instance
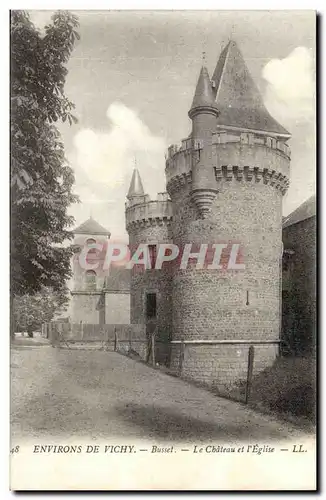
(151, 305)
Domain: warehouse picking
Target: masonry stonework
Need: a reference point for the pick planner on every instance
(299, 287)
(220, 367)
(103, 296)
(117, 308)
(225, 185)
(88, 307)
(152, 229)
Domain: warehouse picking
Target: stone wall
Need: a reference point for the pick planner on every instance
(231, 304)
(299, 287)
(152, 281)
(88, 307)
(101, 307)
(220, 367)
(117, 308)
(224, 303)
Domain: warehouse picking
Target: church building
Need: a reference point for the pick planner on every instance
(99, 296)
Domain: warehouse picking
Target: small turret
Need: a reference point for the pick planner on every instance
(204, 96)
(140, 209)
(136, 191)
(203, 113)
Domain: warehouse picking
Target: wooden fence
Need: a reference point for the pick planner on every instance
(128, 339)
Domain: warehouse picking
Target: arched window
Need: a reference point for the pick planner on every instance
(90, 280)
(89, 243)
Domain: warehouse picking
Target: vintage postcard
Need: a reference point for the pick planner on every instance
(163, 248)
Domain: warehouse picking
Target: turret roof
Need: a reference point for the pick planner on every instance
(136, 185)
(239, 101)
(91, 226)
(204, 95)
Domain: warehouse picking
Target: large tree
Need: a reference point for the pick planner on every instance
(31, 311)
(42, 180)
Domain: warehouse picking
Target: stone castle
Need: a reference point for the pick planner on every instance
(225, 183)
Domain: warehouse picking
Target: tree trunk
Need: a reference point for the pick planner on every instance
(12, 319)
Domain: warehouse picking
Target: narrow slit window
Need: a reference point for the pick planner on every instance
(152, 255)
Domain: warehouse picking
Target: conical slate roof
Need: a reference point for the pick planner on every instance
(238, 99)
(136, 185)
(204, 95)
(90, 226)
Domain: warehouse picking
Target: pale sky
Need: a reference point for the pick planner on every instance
(132, 77)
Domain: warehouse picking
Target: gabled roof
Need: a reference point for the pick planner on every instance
(90, 226)
(136, 185)
(237, 96)
(204, 95)
(303, 212)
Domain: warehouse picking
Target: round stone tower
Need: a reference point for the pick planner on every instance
(148, 223)
(226, 183)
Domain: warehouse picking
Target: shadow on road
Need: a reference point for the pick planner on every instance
(165, 423)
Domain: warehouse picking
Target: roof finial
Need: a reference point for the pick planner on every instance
(204, 58)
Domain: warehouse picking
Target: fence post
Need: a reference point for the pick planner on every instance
(107, 339)
(115, 339)
(182, 357)
(251, 356)
(153, 348)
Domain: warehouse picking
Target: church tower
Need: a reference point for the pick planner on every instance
(88, 300)
(226, 183)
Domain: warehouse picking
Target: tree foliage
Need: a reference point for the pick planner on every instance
(30, 311)
(41, 179)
